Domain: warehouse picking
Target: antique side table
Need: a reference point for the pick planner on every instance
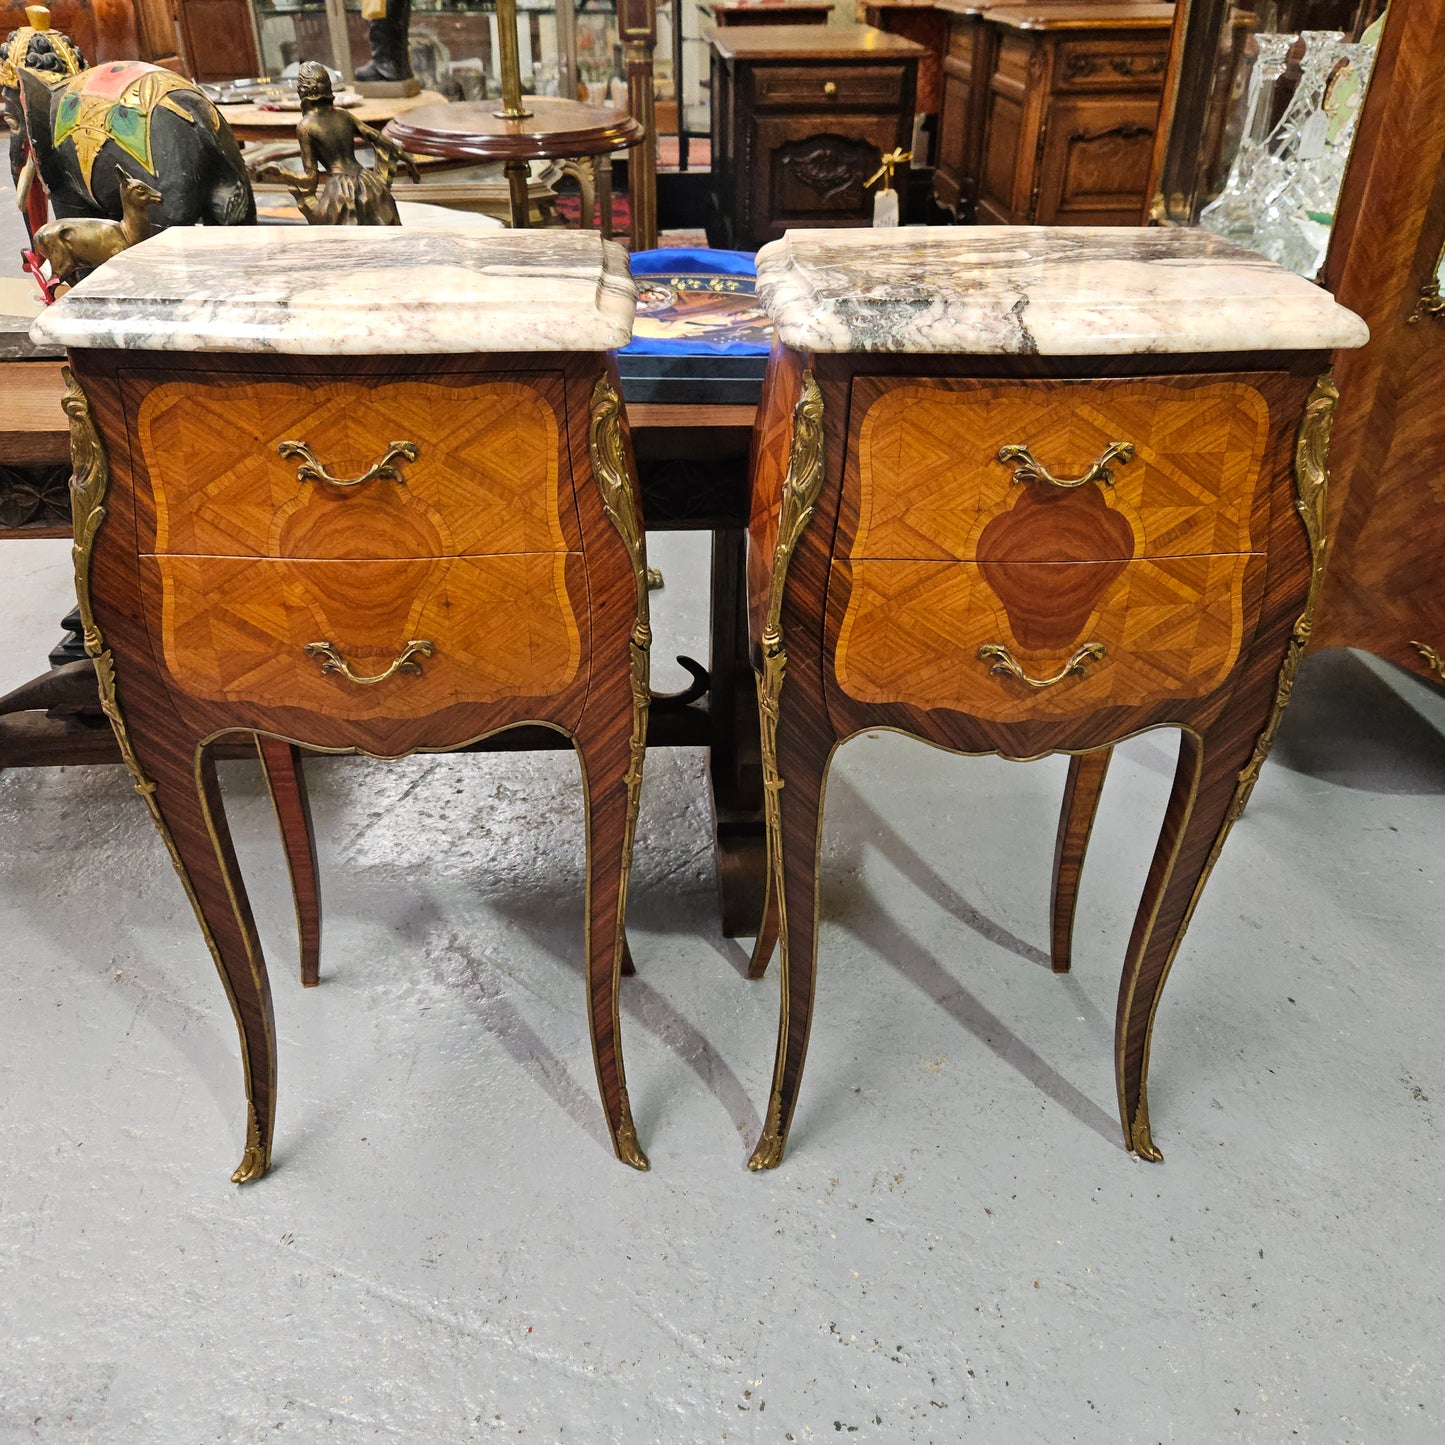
(559, 129)
(801, 115)
(1023, 491)
(359, 491)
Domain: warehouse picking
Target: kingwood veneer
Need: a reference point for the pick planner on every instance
(341, 525)
(1028, 491)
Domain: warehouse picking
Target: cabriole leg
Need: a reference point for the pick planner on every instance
(1082, 792)
(795, 819)
(1200, 813)
(285, 781)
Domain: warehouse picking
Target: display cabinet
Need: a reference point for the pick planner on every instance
(568, 47)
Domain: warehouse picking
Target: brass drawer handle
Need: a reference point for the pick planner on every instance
(311, 470)
(335, 662)
(1004, 662)
(830, 88)
(1028, 470)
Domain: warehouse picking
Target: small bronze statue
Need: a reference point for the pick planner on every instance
(334, 188)
(81, 243)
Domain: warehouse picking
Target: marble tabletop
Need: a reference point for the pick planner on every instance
(1041, 290)
(347, 291)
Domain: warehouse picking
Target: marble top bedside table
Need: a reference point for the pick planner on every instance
(1030, 490)
(359, 490)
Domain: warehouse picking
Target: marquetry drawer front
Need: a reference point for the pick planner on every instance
(1115, 64)
(1089, 635)
(1098, 470)
(286, 634)
(843, 86)
(355, 468)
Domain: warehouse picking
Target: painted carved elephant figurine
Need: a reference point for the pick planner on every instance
(127, 117)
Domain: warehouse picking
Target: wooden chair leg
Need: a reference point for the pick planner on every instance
(285, 781)
(1076, 821)
(795, 821)
(1200, 814)
(613, 782)
(186, 802)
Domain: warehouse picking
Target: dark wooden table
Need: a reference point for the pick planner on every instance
(554, 129)
(771, 12)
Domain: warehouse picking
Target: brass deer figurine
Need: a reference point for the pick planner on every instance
(84, 242)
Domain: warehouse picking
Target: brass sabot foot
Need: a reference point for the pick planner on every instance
(257, 1158)
(628, 1149)
(1141, 1142)
(768, 1154)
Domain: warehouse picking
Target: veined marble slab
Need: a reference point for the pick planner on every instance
(1041, 291)
(347, 291)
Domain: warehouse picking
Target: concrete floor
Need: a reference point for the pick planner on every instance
(956, 1248)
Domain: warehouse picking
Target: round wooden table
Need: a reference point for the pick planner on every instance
(555, 130)
(250, 123)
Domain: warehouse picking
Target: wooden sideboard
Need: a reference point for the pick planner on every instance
(801, 115)
(1078, 495)
(1049, 111)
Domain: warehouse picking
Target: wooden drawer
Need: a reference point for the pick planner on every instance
(484, 479)
(1136, 633)
(853, 87)
(925, 469)
(237, 630)
(1117, 64)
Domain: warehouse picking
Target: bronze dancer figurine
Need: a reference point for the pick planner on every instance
(334, 188)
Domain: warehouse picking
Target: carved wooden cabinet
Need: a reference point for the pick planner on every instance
(801, 116)
(963, 103)
(1077, 494)
(359, 491)
(1068, 113)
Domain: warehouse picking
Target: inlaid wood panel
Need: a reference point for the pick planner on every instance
(487, 478)
(930, 485)
(1171, 628)
(236, 630)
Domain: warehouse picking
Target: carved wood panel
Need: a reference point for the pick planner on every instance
(812, 168)
(1095, 162)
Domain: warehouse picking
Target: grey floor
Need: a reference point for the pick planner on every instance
(957, 1247)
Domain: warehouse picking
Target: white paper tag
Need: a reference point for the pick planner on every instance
(1312, 136)
(885, 208)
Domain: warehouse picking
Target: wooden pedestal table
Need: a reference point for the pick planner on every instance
(308, 510)
(251, 123)
(1028, 492)
(555, 130)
